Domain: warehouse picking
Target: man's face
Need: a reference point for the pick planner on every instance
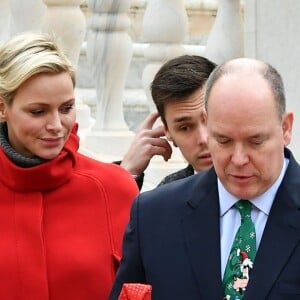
(186, 128)
(245, 135)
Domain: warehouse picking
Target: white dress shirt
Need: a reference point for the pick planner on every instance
(230, 218)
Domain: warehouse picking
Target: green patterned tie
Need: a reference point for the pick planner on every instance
(241, 256)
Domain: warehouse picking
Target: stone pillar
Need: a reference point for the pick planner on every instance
(226, 40)
(4, 19)
(26, 15)
(65, 19)
(165, 27)
(109, 52)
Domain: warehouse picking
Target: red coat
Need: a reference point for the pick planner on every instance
(61, 226)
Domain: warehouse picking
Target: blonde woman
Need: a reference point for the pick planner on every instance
(62, 215)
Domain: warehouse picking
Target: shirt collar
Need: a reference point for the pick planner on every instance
(263, 202)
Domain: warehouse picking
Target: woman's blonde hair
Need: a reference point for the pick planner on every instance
(26, 55)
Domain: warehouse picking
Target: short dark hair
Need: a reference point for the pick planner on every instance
(178, 78)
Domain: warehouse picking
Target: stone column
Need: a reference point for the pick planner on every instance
(65, 19)
(165, 27)
(26, 15)
(226, 40)
(109, 52)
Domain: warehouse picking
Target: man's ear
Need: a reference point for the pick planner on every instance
(2, 109)
(169, 137)
(287, 126)
(167, 133)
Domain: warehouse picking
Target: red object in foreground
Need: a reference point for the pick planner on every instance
(135, 291)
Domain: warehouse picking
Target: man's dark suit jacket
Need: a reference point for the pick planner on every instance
(183, 173)
(173, 242)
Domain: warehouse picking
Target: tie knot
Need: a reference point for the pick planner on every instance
(244, 207)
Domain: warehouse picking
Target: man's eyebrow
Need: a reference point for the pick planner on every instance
(182, 119)
(219, 135)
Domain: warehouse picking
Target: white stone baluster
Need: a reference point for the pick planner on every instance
(165, 27)
(225, 40)
(26, 15)
(65, 19)
(109, 51)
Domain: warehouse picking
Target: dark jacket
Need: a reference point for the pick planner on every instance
(173, 242)
(186, 172)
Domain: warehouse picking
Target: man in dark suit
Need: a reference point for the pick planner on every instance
(180, 235)
(178, 94)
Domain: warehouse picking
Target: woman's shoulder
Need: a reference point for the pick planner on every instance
(105, 172)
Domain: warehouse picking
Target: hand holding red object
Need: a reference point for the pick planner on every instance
(135, 291)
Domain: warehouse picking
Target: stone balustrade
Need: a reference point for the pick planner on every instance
(118, 45)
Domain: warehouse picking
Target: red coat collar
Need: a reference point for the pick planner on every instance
(46, 176)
